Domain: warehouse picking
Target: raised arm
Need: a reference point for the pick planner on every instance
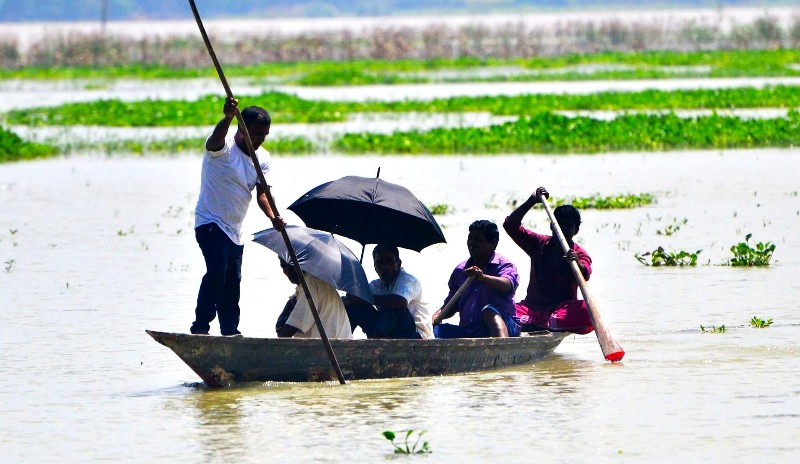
(217, 139)
(521, 210)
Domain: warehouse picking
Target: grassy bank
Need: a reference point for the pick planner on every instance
(285, 108)
(571, 66)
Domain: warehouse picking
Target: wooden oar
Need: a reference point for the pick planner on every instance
(443, 314)
(611, 349)
(252, 153)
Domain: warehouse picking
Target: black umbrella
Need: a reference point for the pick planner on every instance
(369, 210)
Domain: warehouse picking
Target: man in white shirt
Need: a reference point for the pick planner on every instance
(297, 320)
(227, 180)
(401, 311)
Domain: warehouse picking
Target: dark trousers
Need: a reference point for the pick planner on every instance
(383, 323)
(219, 290)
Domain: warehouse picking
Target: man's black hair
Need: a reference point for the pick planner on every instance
(257, 114)
(568, 213)
(488, 228)
(390, 248)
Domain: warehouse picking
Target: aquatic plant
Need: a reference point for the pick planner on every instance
(713, 329)
(283, 108)
(439, 209)
(661, 257)
(630, 200)
(286, 108)
(276, 146)
(551, 133)
(759, 323)
(407, 448)
(673, 228)
(746, 255)
(14, 148)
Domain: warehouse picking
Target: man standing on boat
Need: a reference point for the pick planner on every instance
(401, 311)
(486, 308)
(552, 299)
(227, 180)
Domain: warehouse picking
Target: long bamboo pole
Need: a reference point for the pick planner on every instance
(252, 153)
(445, 312)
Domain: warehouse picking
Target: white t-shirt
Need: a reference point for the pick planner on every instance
(408, 287)
(227, 181)
(329, 305)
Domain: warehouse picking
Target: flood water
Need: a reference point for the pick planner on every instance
(95, 250)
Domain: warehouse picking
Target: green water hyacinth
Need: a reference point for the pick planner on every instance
(406, 448)
(758, 323)
(745, 255)
(713, 329)
(661, 257)
(286, 108)
(14, 148)
(551, 133)
(597, 201)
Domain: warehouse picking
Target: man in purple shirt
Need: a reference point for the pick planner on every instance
(551, 301)
(486, 308)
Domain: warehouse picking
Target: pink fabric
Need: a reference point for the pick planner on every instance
(568, 316)
(551, 279)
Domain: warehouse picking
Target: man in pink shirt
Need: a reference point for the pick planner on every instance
(552, 300)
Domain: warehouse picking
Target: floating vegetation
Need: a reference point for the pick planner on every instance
(673, 228)
(406, 448)
(661, 257)
(551, 133)
(748, 256)
(275, 145)
(713, 329)
(14, 148)
(439, 209)
(288, 108)
(597, 201)
(284, 108)
(759, 323)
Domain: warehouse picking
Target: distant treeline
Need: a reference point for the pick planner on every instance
(88, 10)
(424, 42)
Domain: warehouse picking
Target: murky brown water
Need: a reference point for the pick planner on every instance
(95, 250)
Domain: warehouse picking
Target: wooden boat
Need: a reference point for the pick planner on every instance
(220, 361)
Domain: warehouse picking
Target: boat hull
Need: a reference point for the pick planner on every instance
(220, 361)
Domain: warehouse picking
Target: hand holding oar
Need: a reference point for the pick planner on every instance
(444, 313)
(611, 349)
(266, 190)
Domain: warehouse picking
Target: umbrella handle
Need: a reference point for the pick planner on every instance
(262, 180)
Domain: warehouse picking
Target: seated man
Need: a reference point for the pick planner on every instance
(401, 311)
(551, 302)
(297, 321)
(486, 308)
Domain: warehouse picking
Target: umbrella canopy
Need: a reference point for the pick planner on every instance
(321, 255)
(369, 210)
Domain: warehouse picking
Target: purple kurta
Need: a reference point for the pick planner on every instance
(478, 295)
